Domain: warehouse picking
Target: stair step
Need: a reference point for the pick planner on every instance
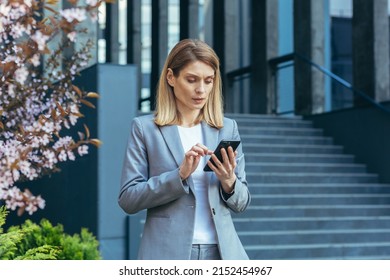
(280, 123)
(312, 167)
(320, 251)
(333, 236)
(266, 225)
(281, 148)
(288, 188)
(238, 117)
(311, 177)
(274, 211)
(297, 157)
(249, 130)
(315, 199)
(277, 139)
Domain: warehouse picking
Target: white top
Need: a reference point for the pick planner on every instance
(204, 232)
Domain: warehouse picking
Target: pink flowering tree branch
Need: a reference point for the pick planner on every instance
(37, 110)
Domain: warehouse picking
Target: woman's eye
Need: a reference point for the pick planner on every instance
(191, 80)
(209, 81)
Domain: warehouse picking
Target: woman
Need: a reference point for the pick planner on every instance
(188, 210)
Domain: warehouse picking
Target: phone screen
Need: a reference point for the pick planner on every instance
(223, 144)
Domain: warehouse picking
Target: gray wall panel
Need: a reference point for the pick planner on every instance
(117, 106)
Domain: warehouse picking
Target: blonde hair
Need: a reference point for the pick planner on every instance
(183, 53)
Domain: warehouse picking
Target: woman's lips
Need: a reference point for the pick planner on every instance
(198, 100)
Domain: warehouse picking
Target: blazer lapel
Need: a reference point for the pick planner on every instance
(173, 142)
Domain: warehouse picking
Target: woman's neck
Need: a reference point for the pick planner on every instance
(189, 119)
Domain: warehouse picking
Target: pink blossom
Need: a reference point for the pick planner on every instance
(24, 166)
(31, 208)
(82, 150)
(2, 194)
(4, 11)
(63, 142)
(74, 14)
(16, 174)
(62, 156)
(41, 202)
(40, 39)
(72, 36)
(28, 3)
(50, 159)
(48, 127)
(73, 119)
(17, 30)
(11, 90)
(71, 155)
(30, 142)
(35, 60)
(21, 75)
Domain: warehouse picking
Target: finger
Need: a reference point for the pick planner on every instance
(227, 162)
(232, 156)
(225, 157)
(217, 162)
(196, 162)
(201, 149)
(213, 167)
(191, 153)
(198, 150)
(191, 157)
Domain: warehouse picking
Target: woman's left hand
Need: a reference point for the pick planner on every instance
(225, 170)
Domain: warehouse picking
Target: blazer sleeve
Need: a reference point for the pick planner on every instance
(240, 199)
(138, 191)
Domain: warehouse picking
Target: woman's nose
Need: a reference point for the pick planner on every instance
(200, 88)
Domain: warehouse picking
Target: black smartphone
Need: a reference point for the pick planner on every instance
(223, 144)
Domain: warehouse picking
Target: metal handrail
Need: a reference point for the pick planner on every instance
(274, 62)
(231, 76)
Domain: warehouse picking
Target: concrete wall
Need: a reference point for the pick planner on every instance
(117, 106)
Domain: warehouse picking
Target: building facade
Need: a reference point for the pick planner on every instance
(294, 57)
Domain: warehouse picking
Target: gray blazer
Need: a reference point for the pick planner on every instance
(150, 180)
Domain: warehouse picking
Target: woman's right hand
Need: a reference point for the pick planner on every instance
(191, 160)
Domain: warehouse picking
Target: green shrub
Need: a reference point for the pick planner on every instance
(45, 241)
(10, 242)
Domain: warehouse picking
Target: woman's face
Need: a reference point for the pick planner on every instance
(193, 86)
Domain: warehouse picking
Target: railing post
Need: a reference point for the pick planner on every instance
(263, 47)
(370, 41)
(309, 86)
(274, 86)
(159, 44)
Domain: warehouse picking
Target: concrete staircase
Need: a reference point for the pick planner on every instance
(309, 199)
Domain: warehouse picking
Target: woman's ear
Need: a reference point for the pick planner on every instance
(170, 77)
